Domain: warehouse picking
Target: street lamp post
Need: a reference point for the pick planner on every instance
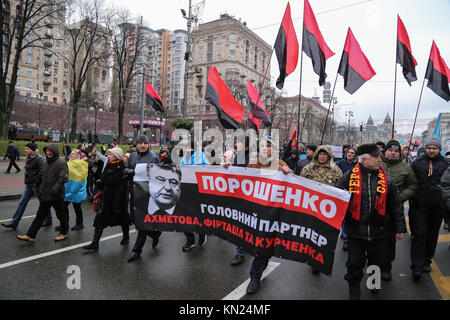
(39, 116)
(349, 114)
(189, 19)
(141, 129)
(95, 121)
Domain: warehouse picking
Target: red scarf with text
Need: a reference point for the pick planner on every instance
(355, 188)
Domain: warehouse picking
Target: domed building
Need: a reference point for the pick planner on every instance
(372, 132)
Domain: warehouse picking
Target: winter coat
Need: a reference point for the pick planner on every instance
(328, 173)
(76, 186)
(371, 224)
(259, 165)
(344, 165)
(403, 177)
(56, 174)
(428, 172)
(113, 210)
(302, 163)
(12, 153)
(445, 190)
(34, 168)
(197, 158)
(137, 157)
(293, 164)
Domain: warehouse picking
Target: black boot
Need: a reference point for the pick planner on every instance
(126, 235)
(94, 244)
(354, 291)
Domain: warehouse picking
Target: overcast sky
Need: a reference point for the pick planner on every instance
(374, 24)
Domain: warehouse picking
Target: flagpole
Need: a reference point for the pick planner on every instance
(300, 89)
(395, 94)
(260, 90)
(329, 107)
(417, 111)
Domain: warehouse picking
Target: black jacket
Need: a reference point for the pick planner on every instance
(34, 168)
(56, 174)
(293, 164)
(114, 197)
(445, 191)
(371, 224)
(428, 172)
(301, 164)
(137, 157)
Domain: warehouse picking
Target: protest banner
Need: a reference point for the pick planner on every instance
(267, 213)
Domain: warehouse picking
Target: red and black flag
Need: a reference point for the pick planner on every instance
(255, 105)
(404, 53)
(354, 66)
(254, 123)
(286, 47)
(153, 98)
(293, 141)
(438, 74)
(230, 112)
(314, 45)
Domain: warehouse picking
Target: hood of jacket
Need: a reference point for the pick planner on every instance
(328, 150)
(54, 148)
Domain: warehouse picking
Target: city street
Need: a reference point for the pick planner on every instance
(40, 270)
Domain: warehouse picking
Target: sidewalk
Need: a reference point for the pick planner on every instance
(11, 185)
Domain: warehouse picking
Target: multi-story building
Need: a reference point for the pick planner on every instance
(312, 119)
(238, 54)
(42, 73)
(162, 62)
(370, 133)
(97, 84)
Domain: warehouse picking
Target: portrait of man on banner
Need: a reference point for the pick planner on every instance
(164, 186)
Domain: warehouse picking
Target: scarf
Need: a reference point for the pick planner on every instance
(355, 188)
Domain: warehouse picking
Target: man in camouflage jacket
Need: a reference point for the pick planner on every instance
(322, 168)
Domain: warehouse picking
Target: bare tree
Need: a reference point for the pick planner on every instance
(22, 22)
(127, 42)
(88, 42)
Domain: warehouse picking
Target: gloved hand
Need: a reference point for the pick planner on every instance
(53, 192)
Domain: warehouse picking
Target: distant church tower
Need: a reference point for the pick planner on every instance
(370, 122)
(387, 121)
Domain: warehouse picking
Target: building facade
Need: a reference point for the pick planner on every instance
(42, 74)
(237, 53)
(312, 120)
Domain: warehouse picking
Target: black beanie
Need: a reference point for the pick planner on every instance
(394, 144)
(31, 146)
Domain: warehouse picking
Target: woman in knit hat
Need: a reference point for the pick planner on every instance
(114, 199)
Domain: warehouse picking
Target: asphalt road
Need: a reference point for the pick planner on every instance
(170, 273)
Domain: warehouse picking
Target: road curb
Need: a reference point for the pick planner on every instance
(10, 197)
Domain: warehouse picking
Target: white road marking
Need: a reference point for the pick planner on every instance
(50, 253)
(241, 291)
(22, 218)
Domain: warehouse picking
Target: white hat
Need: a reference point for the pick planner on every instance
(117, 152)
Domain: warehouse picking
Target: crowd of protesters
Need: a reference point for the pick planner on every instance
(374, 221)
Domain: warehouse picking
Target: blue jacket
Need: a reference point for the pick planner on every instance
(196, 158)
(12, 153)
(345, 166)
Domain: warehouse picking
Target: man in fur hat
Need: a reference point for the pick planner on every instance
(375, 203)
